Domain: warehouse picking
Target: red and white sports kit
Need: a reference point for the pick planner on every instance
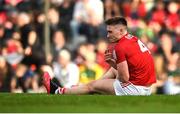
(140, 65)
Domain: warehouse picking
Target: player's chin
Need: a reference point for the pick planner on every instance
(112, 40)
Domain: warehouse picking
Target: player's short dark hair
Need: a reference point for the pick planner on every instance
(116, 20)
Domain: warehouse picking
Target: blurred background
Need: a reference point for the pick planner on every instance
(67, 38)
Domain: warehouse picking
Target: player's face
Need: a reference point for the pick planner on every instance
(115, 32)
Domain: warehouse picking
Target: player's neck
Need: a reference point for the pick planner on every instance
(123, 35)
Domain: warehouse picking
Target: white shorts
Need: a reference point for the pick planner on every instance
(130, 89)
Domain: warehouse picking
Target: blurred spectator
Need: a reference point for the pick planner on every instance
(171, 86)
(6, 74)
(54, 20)
(57, 2)
(39, 25)
(13, 52)
(90, 70)
(159, 14)
(65, 71)
(34, 54)
(58, 43)
(13, 2)
(24, 80)
(111, 9)
(88, 20)
(24, 24)
(172, 17)
(101, 47)
(3, 17)
(80, 54)
(170, 56)
(2, 36)
(138, 9)
(177, 39)
(66, 13)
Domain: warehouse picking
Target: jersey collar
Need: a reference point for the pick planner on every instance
(123, 36)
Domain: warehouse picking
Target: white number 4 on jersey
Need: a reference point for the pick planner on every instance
(143, 48)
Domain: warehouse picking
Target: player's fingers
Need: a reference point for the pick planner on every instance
(107, 60)
(108, 57)
(113, 60)
(108, 54)
(107, 51)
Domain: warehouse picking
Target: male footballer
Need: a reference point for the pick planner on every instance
(132, 67)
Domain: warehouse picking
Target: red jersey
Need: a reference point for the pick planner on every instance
(139, 59)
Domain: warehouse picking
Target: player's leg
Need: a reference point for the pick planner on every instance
(130, 89)
(102, 86)
(49, 85)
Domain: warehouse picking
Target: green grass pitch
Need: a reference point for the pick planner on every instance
(87, 103)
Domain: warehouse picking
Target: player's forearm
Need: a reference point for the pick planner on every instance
(123, 73)
(123, 79)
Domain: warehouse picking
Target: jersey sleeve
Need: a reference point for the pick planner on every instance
(120, 54)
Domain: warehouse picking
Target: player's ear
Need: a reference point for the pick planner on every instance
(121, 30)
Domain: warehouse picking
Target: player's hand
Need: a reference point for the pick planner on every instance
(28, 51)
(109, 58)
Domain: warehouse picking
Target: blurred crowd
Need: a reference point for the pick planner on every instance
(78, 41)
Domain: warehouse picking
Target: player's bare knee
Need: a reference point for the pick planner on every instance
(91, 87)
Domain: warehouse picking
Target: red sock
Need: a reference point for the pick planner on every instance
(61, 90)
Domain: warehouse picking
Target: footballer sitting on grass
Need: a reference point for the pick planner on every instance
(132, 67)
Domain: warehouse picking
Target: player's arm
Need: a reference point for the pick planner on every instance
(110, 74)
(123, 72)
(109, 59)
